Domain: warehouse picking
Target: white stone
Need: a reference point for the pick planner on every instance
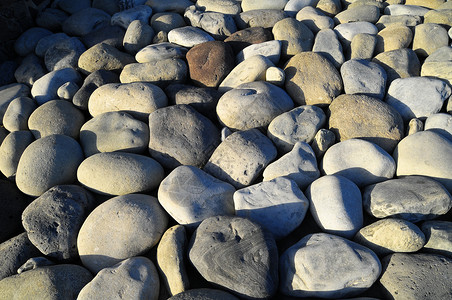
(294, 6)
(269, 49)
(440, 123)
(159, 52)
(188, 36)
(263, 4)
(402, 10)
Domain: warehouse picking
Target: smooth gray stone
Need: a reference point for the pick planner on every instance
(203, 294)
(10, 92)
(336, 193)
(138, 36)
(425, 153)
(67, 91)
(401, 278)
(139, 99)
(361, 76)
(55, 233)
(53, 282)
(177, 6)
(139, 222)
(47, 162)
(64, 54)
(439, 237)
(30, 70)
(17, 114)
(85, 21)
(347, 31)
(231, 7)
(294, 6)
(72, 7)
(223, 245)
(13, 204)
(241, 157)
(263, 4)
(114, 131)
(160, 51)
(217, 24)
(179, 135)
(327, 266)
(90, 84)
(33, 263)
(135, 277)
(269, 49)
(56, 117)
(413, 198)
(171, 260)
(402, 9)
(188, 36)
(299, 164)
(399, 63)
(361, 161)
(51, 19)
(278, 205)
(440, 123)
(27, 41)
(107, 34)
(266, 18)
(119, 173)
(327, 44)
(295, 37)
(361, 13)
(190, 195)
(11, 150)
(125, 17)
(48, 41)
(298, 125)
(252, 105)
(15, 252)
(166, 21)
(46, 87)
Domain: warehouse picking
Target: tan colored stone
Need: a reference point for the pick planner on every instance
(363, 46)
(393, 37)
(428, 38)
(441, 17)
(367, 13)
(433, 4)
(329, 7)
(103, 57)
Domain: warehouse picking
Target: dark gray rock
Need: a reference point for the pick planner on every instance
(112, 35)
(85, 21)
(27, 41)
(51, 19)
(179, 135)
(236, 254)
(13, 202)
(7, 69)
(72, 7)
(53, 220)
(49, 41)
(64, 54)
(203, 294)
(30, 70)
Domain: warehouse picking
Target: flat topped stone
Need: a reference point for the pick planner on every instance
(188, 36)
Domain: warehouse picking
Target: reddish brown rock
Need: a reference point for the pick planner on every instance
(243, 38)
(209, 63)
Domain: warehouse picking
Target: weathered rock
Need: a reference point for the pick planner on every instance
(435, 4)
(85, 21)
(139, 222)
(10, 92)
(323, 140)
(160, 51)
(167, 21)
(438, 236)
(248, 36)
(126, 17)
(367, 118)
(17, 114)
(413, 198)
(188, 36)
(218, 25)
(428, 38)
(360, 161)
(363, 46)
(439, 64)
(53, 220)
(222, 245)
(364, 77)
(103, 57)
(361, 13)
(311, 79)
(276, 76)
(13, 203)
(117, 173)
(49, 161)
(135, 277)
(241, 157)
(295, 37)
(325, 265)
(56, 117)
(30, 70)
(347, 31)
(327, 44)
(394, 37)
(294, 6)
(401, 63)
(35, 262)
(314, 19)
(11, 150)
(64, 54)
(27, 41)
(401, 278)
(171, 259)
(204, 294)
(138, 35)
(179, 135)
(266, 18)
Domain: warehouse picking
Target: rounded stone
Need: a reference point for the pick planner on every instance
(85, 21)
(67, 91)
(160, 51)
(252, 105)
(327, 44)
(218, 25)
(429, 37)
(223, 6)
(138, 35)
(114, 131)
(360, 161)
(393, 37)
(361, 13)
(263, 4)
(48, 161)
(103, 57)
(138, 99)
(269, 49)
(440, 123)
(439, 64)
(222, 245)
(314, 19)
(400, 63)
(138, 222)
(64, 54)
(413, 198)
(17, 114)
(441, 16)
(51, 19)
(48, 41)
(336, 194)
(295, 37)
(11, 150)
(135, 277)
(167, 21)
(188, 36)
(30, 70)
(27, 41)
(248, 36)
(366, 118)
(391, 235)
(117, 173)
(190, 195)
(125, 17)
(266, 18)
(363, 46)
(56, 117)
(10, 92)
(106, 34)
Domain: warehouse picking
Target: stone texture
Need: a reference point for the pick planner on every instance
(406, 20)
(329, 7)
(391, 235)
(394, 37)
(166, 21)
(269, 49)
(138, 35)
(47, 162)
(135, 277)
(241, 157)
(67, 91)
(138, 99)
(248, 36)
(328, 45)
(263, 4)
(17, 114)
(224, 6)
(218, 25)
(179, 135)
(56, 117)
(125, 17)
(314, 19)
(27, 41)
(64, 54)
(10, 92)
(439, 64)
(190, 195)
(364, 77)
(160, 51)
(30, 70)
(401, 278)
(413, 198)
(415, 125)
(323, 140)
(428, 38)
(440, 16)
(347, 31)
(209, 63)
(139, 223)
(295, 37)
(114, 131)
(51, 19)
(11, 150)
(118, 173)
(438, 236)
(363, 46)
(222, 245)
(53, 220)
(188, 36)
(367, 118)
(360, 161)
(13, 203)
(276, 76)
(85, 21)
(171, 260)
(178, 6)
(401, 63)
(402, 9)
(278, 205)
(339, 195)
(103, 57)
(327, 266)
(252, 105)
(204, 294)
(417, 97)
(161, 72)
(440, 123)
(361, 13)
(266, 18)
